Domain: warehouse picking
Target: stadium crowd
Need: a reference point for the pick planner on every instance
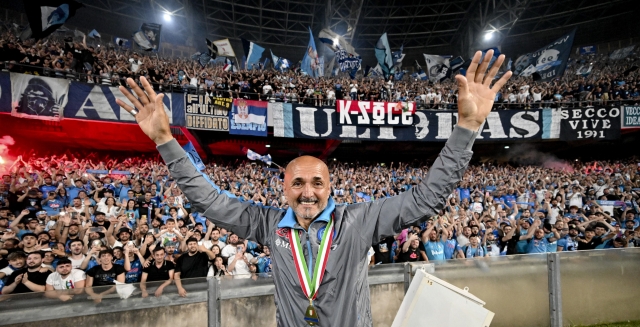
(85, 220)
(610, 82)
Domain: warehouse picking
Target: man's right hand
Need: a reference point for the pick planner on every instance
(182, 292)
(151, 117)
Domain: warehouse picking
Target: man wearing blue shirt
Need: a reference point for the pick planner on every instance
(539, 243)
(569, 239)
(73, 191)
(48, 186)
(434, 247)
(463, 191)
(52, 205)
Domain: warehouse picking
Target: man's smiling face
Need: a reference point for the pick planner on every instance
(307, 187)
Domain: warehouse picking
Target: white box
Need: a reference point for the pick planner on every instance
(431, 301)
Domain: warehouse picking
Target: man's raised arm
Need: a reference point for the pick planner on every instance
(475, 100)
(246, 220)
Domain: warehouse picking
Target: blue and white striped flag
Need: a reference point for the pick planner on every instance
(256, 156)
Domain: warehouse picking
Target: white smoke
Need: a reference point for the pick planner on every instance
(5, 142)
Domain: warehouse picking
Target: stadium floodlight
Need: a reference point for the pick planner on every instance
(167, 17)
(506, 146)
(488, 36)
(267, 146)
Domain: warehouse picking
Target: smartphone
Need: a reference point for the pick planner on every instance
(95, 230)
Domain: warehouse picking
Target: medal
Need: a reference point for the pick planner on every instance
(310, 286)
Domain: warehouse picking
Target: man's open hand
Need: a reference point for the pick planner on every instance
(475, 94)
(151, 117)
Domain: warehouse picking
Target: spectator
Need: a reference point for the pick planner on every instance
(158, 270)
(65, 278)
(30, 279)
(240, 262)
(193, 264)
(104, 274)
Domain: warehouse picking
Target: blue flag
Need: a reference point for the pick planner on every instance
(276, 60)
(45, 16)
(310, 60)
(399, 75)
(546, 63)
(421, 75)
(94, 34)
(383, 54)
(253, 53)
(398, 56)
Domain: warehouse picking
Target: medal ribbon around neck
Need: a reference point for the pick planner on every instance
(310, 287)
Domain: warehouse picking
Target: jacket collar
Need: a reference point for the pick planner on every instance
(290, 221)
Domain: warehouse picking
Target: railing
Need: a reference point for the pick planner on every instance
(188, 88)
(556, 289)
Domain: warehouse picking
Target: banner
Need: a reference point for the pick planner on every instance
(437, 67)
(589, 49)
(547, 63)
(206, 112)
(248, 117)
(630, 117)
(590, 123)
(38, 97)
(148, 37)
(98, 102)
(370, 113)
(224, 48)
(300, 121)
(621, 53)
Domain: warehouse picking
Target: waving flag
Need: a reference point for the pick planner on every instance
(346, 56)
(275, 59)
(398, 56)
(45, 16)
(437, 66)
(251, 155)
(253, 53)
(383, 54)
(546, 63)
(421, 75)
(94, 34)
(224, 48)
(212, 49)
(336, 42)
(148, 37)
(310, 60)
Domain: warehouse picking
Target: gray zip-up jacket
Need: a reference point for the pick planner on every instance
(343, 297)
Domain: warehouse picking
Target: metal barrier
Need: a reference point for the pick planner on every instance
(555, 289)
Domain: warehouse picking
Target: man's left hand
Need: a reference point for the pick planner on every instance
(475, 94)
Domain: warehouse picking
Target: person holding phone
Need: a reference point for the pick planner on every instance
(239, 263)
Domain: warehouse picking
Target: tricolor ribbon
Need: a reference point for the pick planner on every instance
(310, 287)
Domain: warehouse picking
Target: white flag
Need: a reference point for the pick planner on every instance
(224, 48)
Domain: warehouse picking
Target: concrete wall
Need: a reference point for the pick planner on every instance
(240, 312)
(260, 310)
(192, 315)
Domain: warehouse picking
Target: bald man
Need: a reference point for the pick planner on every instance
(319, 249)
